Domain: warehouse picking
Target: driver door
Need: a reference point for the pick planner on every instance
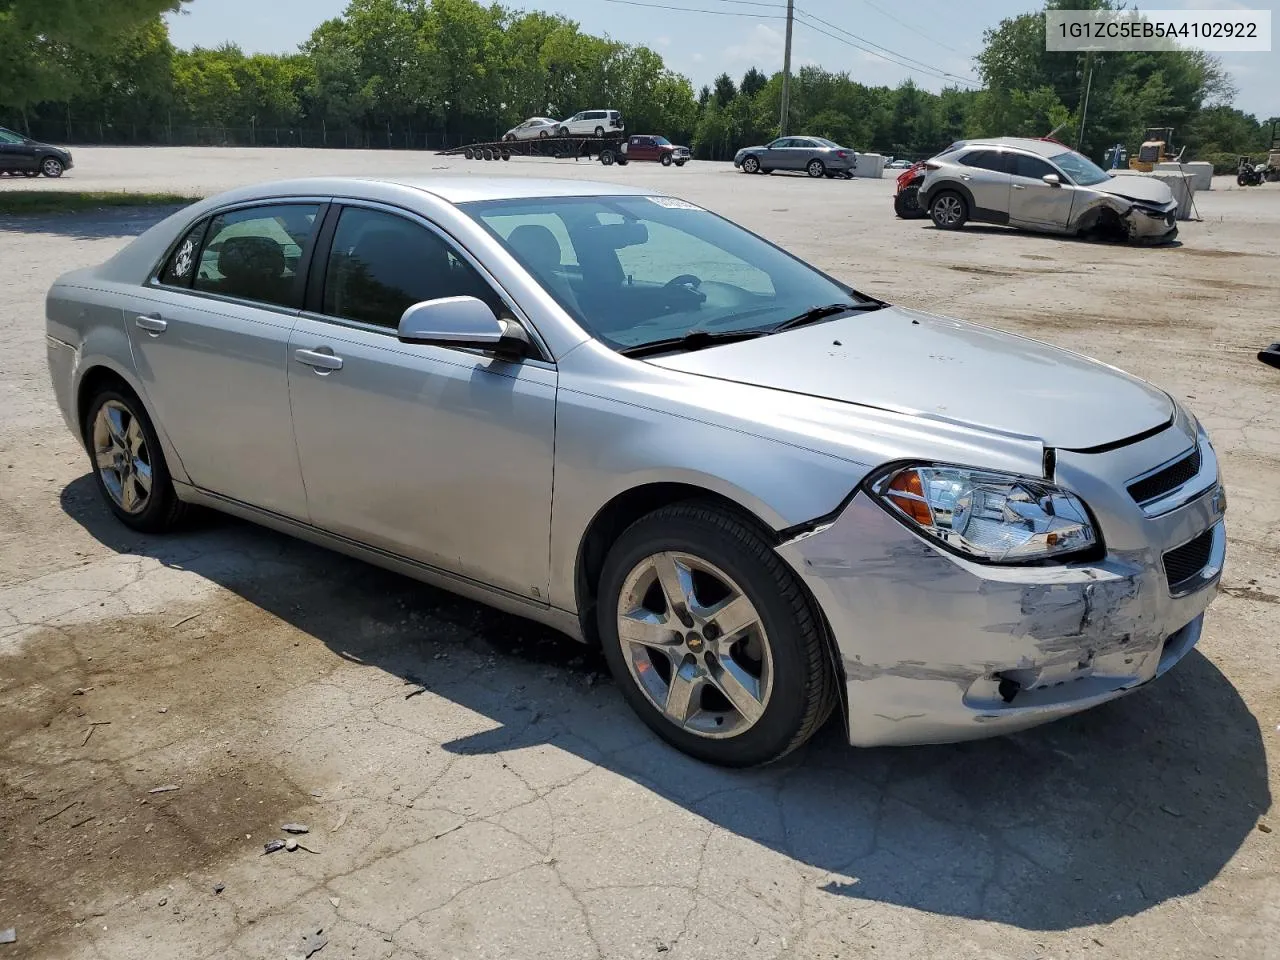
(15, 152)
(437, 454)
(1034, 203)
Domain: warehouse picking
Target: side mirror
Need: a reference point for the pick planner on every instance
(465, 323)
(1052, 179)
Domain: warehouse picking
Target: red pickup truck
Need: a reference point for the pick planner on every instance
(655, 149)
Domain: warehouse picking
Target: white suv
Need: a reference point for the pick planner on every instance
(592, 123)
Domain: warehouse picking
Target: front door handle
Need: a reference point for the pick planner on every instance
(153, 324)
(319, 359)
(1018, 186)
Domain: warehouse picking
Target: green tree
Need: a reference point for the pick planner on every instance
(44, 41)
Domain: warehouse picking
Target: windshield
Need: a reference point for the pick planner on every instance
(1080, 168)
(636, 270)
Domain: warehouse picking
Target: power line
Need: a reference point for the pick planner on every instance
(718, 13)
(918, 32)
(754, 3)
(861, 43)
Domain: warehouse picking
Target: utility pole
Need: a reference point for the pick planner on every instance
(786, 69)
(1084, 109)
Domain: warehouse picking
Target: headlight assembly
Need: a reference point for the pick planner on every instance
(991, 517)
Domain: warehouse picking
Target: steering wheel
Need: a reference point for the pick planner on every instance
(689, 284)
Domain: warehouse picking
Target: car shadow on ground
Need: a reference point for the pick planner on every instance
(1080, 822)
(99, 224)
(1093, 239)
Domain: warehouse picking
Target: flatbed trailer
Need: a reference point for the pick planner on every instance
(607, 149)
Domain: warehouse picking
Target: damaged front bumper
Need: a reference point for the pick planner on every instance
(1151, 224)
(935, 648)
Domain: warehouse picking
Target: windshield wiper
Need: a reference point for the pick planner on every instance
(692, 340)
(814, 314)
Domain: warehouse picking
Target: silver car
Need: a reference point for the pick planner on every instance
(532, 129)
(766, 496)
(1044, 186)
(816, 156)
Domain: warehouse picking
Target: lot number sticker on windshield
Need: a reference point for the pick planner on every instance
(671, 203)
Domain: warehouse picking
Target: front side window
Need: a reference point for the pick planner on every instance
(1031, 167)
(1080, 169)
(256, 253)
(381, 264)
(635, 270)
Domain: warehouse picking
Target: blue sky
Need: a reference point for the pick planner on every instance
(942, 35)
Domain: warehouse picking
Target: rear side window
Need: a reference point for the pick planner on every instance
(1033, 167)
(180, 267)
(985, 160)
(381, 264)
(256, 253)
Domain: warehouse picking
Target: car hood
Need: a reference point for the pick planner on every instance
(930, 366)
(1146, 189)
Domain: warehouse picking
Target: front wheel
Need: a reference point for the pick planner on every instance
(711, 638)
(129, 465)
(666, 160)
(948, 210)
(750, 165)
(816, 169)
(51, 167)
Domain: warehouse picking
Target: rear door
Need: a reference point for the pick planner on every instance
(437, 454)
(986, 175)
(211, 345)
(1034, 203)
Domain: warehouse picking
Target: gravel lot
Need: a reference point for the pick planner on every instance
(515, 809)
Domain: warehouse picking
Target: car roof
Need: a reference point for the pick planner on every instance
(458, 188)
(1045, 148)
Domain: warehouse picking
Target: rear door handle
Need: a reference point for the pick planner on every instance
(318, 359)
(153, 324)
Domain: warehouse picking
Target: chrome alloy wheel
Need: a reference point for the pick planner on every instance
(695, 645)
(948, 210)
(121, 456)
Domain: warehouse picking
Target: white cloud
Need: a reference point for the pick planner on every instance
(663, 41)
(763, 48)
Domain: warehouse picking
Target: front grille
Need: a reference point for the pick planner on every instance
(1163, 481)
(1185, 562)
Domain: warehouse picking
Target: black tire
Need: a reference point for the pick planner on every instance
(949, 210)
(816, 169)
(542, 134)
(804, 684)
(509, 138)
(681, 163)
(488, 153)
(469, 153)
(620, 160)
(666, 160)
(599, 131)
(52, 167)
(506, 154)
(750, 164)
(163, 511)
(906, 204)
(606, 157)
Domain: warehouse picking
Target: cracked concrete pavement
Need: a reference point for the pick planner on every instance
(473, 783)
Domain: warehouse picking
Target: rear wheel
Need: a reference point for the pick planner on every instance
(816, 168)
(542, 134)
(129, 464)
(750, 165)
(948, 210)
(469, 153)
(711, 637)
(606, 157)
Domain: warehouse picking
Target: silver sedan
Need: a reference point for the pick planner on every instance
(766, 496)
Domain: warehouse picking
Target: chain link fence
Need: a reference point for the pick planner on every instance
(101, 133)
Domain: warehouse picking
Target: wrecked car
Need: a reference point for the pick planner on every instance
(1035, 184)
(767, 497)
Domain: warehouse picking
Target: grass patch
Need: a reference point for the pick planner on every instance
(70, 201)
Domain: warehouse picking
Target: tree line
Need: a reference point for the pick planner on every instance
(433, 73)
